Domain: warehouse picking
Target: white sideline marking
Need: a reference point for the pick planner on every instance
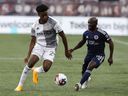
(121, 42)
(82, 58)
(21, 59)
(14, 58)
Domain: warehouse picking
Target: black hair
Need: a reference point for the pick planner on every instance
(93, 19)
(41, 8)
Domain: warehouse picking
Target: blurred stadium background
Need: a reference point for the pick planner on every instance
(104, 8)
(16, 18)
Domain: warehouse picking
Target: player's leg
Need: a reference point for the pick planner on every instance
(46, 66)
(94, 63)
(86, 75)
(84, 67)
(48, 56)
(87, 59)
(27, 68)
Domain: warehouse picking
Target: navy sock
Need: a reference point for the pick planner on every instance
(85, 77)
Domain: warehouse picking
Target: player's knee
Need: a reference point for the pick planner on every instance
(91, 66)
(47, 64)
(30, 65)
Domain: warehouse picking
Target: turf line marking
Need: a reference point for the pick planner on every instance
(121, 42)
(21, 59)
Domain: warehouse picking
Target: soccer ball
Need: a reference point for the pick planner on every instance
(60, 79)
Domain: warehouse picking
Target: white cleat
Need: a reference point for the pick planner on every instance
(89, 79)
(85, 85)
(77, 86)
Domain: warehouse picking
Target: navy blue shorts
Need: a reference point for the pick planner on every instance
(96, 58)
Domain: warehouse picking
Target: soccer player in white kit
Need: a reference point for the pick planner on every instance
(42, 45)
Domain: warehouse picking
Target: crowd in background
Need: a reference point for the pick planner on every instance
(106, 8)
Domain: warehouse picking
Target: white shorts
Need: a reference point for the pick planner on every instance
(44, 52)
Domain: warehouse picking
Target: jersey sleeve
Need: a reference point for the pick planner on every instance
(107, 37)
(84, 35)
(58, 28)
(105, 34)
(33, 30)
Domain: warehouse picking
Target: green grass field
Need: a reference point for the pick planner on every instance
(106, 80)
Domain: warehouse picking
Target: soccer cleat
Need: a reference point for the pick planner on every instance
(85, 85)
(19, 88)
(35, 77)
(89, 79)
(77, 87)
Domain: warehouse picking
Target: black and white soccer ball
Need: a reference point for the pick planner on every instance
(60, 79)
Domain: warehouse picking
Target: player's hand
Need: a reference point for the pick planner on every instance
(70, 50)
(26, 60)
(110, 60)
(68, 54)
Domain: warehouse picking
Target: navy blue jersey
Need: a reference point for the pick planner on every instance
(96, 41)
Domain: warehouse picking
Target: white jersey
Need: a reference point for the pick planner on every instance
(46, 33)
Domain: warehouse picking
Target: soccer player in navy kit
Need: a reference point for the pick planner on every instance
(95, 39)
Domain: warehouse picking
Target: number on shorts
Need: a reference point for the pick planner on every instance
(51, 53)
(100, 58)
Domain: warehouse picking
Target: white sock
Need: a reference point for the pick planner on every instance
(39, 69)
(24, 75)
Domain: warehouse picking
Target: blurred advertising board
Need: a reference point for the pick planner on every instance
(71, 25)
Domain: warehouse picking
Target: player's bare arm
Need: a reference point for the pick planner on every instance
(31, 45)
(64, 40)
(111, 48)
(79, 45)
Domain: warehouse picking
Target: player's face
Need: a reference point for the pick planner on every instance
(43, 16)
(92, 24)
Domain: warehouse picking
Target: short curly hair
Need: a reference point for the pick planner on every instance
(41, 8)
